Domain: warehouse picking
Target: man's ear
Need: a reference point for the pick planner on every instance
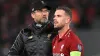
(68, 20)
(32, 15)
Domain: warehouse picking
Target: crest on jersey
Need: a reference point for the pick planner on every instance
(53, 47)
(62, 46)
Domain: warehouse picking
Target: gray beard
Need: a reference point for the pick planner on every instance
(44, 21)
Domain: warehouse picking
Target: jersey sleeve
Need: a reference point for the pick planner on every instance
(76, 48)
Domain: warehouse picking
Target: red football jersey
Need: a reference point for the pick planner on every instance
(69, 42)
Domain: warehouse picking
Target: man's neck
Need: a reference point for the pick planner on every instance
(62, 31)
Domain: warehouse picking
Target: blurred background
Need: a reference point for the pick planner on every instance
(15, 15)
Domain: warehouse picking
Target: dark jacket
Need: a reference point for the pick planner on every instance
(33, 41)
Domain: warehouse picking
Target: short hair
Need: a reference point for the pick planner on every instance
(66, 9)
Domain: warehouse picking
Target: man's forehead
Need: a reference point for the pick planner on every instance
(60, 12)
(38, 10)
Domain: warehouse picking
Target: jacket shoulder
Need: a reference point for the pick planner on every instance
(26, 31)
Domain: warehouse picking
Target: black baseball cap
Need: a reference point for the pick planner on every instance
(38, 5)
(47, 7)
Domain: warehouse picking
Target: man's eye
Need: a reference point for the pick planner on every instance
(58, 15)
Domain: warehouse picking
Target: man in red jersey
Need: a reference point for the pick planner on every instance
(66, 43)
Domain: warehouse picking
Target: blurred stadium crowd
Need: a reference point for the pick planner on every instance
(15, 15)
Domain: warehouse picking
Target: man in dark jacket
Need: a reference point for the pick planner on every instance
(34, 40)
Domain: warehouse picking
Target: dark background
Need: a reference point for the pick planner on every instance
(15, 15)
